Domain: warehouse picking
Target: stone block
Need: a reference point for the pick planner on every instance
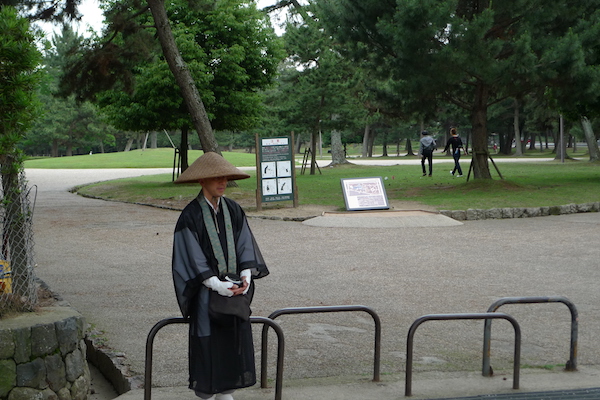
(8, 377)
(69, 335)
(83, 348)
(459, 215)
(518, 212)
(32, 374)
(568, 209)
(493, 213)
(43, 340)
(532, 212)
(584, 208)
(64, 394)
(555, 210)
(74, 365)
(56, 372)
(25, 393)
(79, 389)
(507, 212)
(22, 338)
(544, 211)
(48, 394)
(474, 214)
(7, 344)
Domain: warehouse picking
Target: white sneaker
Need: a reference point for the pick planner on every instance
(222, 396)
(459, 176)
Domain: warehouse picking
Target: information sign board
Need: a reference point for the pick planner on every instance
(275, 169)
(364, 194)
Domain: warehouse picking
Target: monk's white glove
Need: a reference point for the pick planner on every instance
(248, 275)
(219, 286)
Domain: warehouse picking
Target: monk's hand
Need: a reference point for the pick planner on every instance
(237, 290)
(246, 276)
(223, 288)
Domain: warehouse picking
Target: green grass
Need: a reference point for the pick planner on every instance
(163, 158)
(149, 158)
(530, 184)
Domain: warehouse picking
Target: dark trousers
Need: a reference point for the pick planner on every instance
(427, 155)
(457, 167)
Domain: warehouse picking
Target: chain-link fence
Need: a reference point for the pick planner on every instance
(18, 289)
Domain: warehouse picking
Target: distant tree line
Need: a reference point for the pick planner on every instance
(368, 72)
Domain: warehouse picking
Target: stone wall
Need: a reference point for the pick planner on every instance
(499, 213)
(43, 356)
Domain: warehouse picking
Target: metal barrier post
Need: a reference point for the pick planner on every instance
(438, 317)
(324, 309)
(149, 343)
(161, 324)
(280, 352)
(487, 329)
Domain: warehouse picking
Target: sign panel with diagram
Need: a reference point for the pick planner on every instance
(276, 169)
(364, 194)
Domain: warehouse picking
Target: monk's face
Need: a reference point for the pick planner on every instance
(214, 187)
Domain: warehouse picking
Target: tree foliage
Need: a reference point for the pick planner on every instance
(20, 75)
(227, 46)
(66, 126)
(472, 53)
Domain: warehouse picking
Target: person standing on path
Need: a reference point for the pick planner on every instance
(455, 142)
(215, 257)
(426, 147)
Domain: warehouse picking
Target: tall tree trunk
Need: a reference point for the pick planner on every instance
(128, 144)
(371, 143)
(365, 145)
(54, 147)
(298, 143)
(337, 148)
(590, 138)
(560, 146)
(183, 150)
(313, 150)
(315, 138)
(153, 140)
(517, 129)
(409, 150)
(532, 141)
(385, 152)
(184, 78)
(481, 168)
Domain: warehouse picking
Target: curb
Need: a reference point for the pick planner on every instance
(473, 214)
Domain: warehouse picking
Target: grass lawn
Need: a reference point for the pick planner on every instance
(530, 184)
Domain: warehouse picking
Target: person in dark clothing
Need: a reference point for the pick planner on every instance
(426, 147)
(456, 145)
(215, 254)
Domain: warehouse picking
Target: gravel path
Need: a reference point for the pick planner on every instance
(111, 262)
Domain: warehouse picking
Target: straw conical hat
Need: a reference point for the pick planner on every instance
(211, 165)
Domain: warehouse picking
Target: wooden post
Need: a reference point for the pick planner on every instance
(258, 180)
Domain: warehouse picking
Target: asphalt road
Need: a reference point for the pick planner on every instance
(111, 262)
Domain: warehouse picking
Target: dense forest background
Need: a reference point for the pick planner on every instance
(511, 77)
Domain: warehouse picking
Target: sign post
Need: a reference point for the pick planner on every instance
(275, 170)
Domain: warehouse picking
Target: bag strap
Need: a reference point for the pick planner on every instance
(211, 228)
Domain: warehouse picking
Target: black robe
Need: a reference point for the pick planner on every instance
(221, 357)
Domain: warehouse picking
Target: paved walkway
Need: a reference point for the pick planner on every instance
(111, 261)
